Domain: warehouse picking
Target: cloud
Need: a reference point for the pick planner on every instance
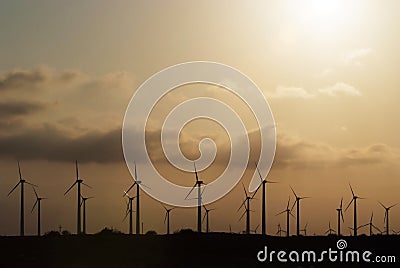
(293, 152)
(12, 109)
(340, 89)
(290, 92)
(52, 144)
(337, 89)
(24, 79)
(354, 57)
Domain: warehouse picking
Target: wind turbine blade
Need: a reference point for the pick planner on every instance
(126, 192)
(242, 204)
(242, 215)
(349, 204)
(361, 226)
(34, 205)
(280, 213)
(35, 192)
(164, 207)
(69, 189)
(244, 189)
(384, 218)
(136, 178)
(294, 204)
(191, 190)
(76, 169)
(34, 185)
(258, 171)
(376, 228)
(382, 205)
(393, 205)
(202, 191)
(165, 218)
(126, 215)
(341, 203)
(13, 188)
(204, 217)
(352, 192)
(86, 185)
(293, 192)
(291, 214)
(259, 186)
(287, 207)
(195, 171)
(372, 215)
(341, 213)
(19, 171)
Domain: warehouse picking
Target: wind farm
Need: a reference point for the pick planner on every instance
(199, 133)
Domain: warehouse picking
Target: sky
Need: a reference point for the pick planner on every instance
(328, 70)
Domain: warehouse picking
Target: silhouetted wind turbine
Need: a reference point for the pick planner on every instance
(246, 204)
(129, 210)
(263, 204)
(166, 218)
(279, 232)
(371, 225)
(78, 181)
(386, 219)
(288, 212)
(84, 199)
(297, 201)
(354, 199)
(305, 229)
(207, 218)
(340, 215)
(330, 230)
(22, 213)
(198, 183)
(138, 183)
(38, 199)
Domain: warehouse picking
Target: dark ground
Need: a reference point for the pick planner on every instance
(179, 250)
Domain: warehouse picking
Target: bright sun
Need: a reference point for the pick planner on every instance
(322, 16)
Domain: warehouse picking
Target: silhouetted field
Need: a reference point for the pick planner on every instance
(180, 250)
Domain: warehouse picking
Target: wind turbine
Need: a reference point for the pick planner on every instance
(263, 209)
(279, 232)
(297, 201)
(78, 181)
(198, 183)
(38, 199)
(206, 217)
(137, 183)
(354, 199)
(305, 229)
(340, 215)
(22, 212)
(371, 225)
(129, 210)
(288, 212)
(166, 218)
(330, 230)
(84, 199)
(246, 204)
(386, 219)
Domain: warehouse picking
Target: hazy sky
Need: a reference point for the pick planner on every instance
(329, 70)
